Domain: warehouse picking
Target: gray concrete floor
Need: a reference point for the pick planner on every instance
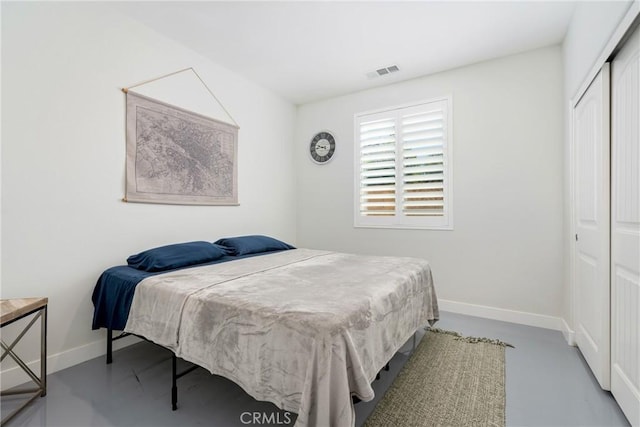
(548, 384)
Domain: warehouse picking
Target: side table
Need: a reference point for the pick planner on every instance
(12, 310)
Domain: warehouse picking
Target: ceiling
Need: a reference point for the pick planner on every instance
(310, 50)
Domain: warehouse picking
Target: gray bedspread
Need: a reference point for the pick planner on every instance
(303, 329)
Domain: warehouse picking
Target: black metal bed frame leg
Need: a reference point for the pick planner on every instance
(174, 379)
(109, 346)
(174, 385)
(174, 366)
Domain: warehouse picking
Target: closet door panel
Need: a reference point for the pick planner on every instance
(625, 229)
(592, 162)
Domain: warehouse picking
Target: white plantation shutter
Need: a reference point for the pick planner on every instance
(423, 162)
(403, 167)
(378, 167)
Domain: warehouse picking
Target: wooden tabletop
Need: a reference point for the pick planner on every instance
(15, 307)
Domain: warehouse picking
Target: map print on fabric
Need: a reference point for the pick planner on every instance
(178, 156)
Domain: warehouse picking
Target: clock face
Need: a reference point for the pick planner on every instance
(322, 147)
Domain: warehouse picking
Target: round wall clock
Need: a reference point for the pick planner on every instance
(322, 147)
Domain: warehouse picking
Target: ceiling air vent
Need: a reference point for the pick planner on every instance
(383, 71)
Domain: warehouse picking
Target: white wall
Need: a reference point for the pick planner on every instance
(591, 27)
(505, 250)
(63, 160)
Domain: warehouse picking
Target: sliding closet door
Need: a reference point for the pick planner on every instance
(592, 293)
(625, 229)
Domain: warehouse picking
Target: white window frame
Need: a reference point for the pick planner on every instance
(399, 221)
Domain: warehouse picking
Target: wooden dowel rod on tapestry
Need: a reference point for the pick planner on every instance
(126, 90)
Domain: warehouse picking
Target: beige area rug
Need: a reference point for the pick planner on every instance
(448, 381)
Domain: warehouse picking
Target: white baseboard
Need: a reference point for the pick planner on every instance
(505, 315)
(14, 376)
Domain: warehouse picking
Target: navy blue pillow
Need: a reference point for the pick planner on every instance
(245, 245)
(175, 256)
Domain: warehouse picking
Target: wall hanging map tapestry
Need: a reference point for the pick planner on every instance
(177, 156)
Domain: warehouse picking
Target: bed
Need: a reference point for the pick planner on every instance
(304, 329)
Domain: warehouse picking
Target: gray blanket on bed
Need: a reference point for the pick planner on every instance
(303, 329)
